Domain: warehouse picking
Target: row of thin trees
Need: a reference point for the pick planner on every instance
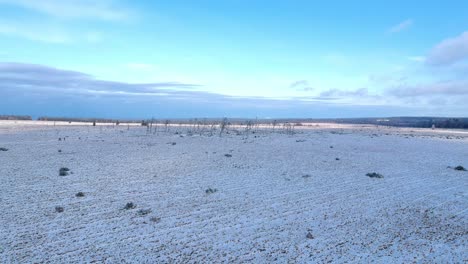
(218, 127)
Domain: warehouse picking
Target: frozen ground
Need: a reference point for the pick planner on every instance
(302, 198)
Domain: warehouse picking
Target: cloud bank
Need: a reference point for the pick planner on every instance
(446, 89)
(16, 76)
(34, 89)
(449, 51)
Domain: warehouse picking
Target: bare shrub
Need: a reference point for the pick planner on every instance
(166, 124)
(223, 125)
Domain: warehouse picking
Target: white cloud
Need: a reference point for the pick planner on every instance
(401, 26)
(16, 76)
(46, 28)
(41, 34)
(46, 33)
(446, 88)
(301, 85)
(450, 51)
(345, 93)
(417, 58)
(102, 9)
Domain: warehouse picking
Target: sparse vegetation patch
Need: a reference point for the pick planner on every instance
(459, 168)
(374, 175)
(3, 149)
(129, 206)
(210, 191)
(155, 219)
(144, 212)
(80, 194)
(59, 209)
(64, 171)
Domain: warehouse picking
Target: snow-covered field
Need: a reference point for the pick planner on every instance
(302, 198)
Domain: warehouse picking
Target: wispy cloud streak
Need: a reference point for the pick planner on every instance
(401, 26)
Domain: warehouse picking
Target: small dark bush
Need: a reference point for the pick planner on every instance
(228, 155)
(209, 191)
(331, 146)
(129, 206)
(80, 194)
(144, 211)
(155, 219)
(337, 158)
(59, 150)
(64, 171)
(3, 149)
(306, 176)
(59, 209)
(459, 168)
(374, 175)
(309, 235)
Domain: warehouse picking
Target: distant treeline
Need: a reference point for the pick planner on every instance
(417, 122)
(14, 117)
(420, 122)
(97, 120)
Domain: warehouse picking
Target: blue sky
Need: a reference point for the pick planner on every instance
(239, 58)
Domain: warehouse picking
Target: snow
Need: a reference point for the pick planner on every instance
(262, 210)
